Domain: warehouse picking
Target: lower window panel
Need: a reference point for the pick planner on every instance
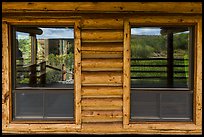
(43, 105)
(161, 106)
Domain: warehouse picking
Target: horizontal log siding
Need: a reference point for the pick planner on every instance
(102, 65)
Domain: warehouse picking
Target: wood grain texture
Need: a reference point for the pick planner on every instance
(198, 76)
(102, 35)
(102, 104)
(126, 73)
(77, 72)
(103, 47)
(102, 92)
(101, 55)
(99, 23)
(87, 7)
(5, 76)
(101, 78)
(101, 116)
(102, 64)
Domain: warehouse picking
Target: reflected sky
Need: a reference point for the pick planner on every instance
(50, 33)
(145, 31)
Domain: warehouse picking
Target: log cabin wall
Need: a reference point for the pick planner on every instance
(103, 40)
(102, 65)
(102, 73)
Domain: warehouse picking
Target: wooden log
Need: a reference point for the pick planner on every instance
(31, 30)
(126, 73)
(102, 104)
(77, 72)
(102, 35)
(163, 20)
(113, 23)
(102, 128)
(106, 7)
(104, 47)
(6, 87)
(101, 92)
(101, 78)
(102, 64)
(22, 20)
(101, 55)
(198, 75)
(101, 116)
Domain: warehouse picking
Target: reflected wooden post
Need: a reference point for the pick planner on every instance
(32, 76)
(170, 61)
(43, 72)
(33, 72)
(63, 72)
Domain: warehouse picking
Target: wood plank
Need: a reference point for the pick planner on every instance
(102, 128)
(102, 104)
(101, 78)
(163, 20)
(102, 35)
(198, 75)
(77, 72)
(41, 128)
(40, 21)
(101, 64)
(113, 23)
(126, 73)
(102, 41)
(101, 55)
(90, 7)
(6, 93)
(100, 92)
(105, 47)
(102, 85)
(101, 116)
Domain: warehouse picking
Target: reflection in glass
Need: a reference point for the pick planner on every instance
(160, 57)
(44, 57)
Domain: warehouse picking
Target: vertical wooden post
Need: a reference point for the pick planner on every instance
(170, 51)
(198, 74)
(63, 72)
(43, 72)
(6, 85)
(77, 72)
(33, 49)
(126, 74)
(33, 74)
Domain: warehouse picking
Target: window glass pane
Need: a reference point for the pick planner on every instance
(161, 106)
(28, 105)
(144, 105)
(176, 105)
(59, 105)
(47, 104)
(160, 57)
(44, 57)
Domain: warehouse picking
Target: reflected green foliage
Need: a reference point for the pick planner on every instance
(155, 46)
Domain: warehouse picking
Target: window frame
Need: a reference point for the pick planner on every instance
(7, 43)
(196, 22)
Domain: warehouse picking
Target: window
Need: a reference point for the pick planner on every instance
(161, 73)
(43, 73)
